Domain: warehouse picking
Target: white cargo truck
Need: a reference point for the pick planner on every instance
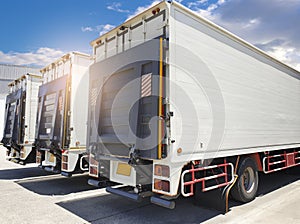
(62, 115)
(19, 120)
(180, 106)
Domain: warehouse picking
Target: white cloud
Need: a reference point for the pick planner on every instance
(282, 50)
(282, 53)
(205, 5)
(260, 23)
(41, 57)
(252, 23)
(92, 13)
(212, 7)
(143, 8)
(116, 6)
(205, 9)
(196, 3)
(101, 29)
(287, 54)
(87, 29)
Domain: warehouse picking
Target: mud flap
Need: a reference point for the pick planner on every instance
(214, 199)
(31, 158)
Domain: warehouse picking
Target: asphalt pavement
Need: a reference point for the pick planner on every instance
(31, 195)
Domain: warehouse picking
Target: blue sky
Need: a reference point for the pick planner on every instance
(36, 32)
(30, 24)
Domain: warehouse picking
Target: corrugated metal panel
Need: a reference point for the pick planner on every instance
(12, 72)
(132, 34)
(9, 73)
(3, 88)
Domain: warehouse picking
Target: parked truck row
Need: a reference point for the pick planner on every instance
(169, 104)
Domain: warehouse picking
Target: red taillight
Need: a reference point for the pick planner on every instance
(93, 170)
(162, 170)
(65, 166)
(38, 158)
(65, 159)
(93, 161)
(162, 185)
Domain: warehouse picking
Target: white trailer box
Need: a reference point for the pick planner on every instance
(171, 92)
(20, 113)
(62, 115)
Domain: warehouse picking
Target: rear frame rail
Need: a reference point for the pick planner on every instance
(277, 162)
(224, 170)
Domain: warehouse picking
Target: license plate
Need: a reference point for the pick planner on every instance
(51, 158)
(124, 169)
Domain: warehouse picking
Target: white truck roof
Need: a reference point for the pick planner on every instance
(169, 4)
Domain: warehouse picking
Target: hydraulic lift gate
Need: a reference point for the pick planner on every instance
(123, 100)
(52, 121)
(14, 114)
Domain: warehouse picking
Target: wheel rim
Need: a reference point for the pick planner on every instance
(248, 179)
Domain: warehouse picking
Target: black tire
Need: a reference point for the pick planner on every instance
(245, 188)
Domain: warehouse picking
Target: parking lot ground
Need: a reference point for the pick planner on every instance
(31, 195)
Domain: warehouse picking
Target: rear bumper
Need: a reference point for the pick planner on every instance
(124, 193)
(50, 169)
(163, 202)
(98, 183)
(72, 160)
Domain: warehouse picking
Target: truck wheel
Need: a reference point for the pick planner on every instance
(245, 188)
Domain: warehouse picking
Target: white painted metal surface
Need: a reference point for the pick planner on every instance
(132, 33)
(79, 98)
(75, 65)
(31, 83)
(72, 160)
(251, 98)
